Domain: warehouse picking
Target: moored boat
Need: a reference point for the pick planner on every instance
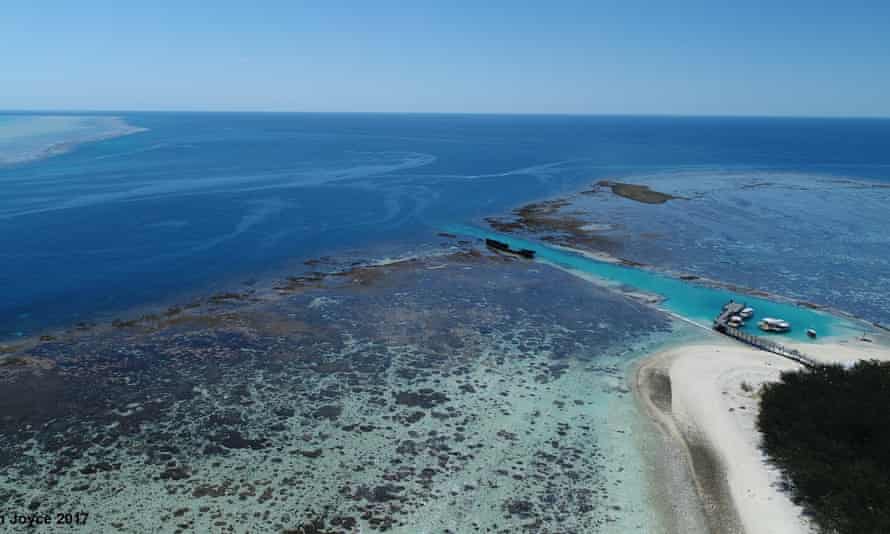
(497, 245)
(769, 324)
(747, 312)
(811, 332)
(525, 252)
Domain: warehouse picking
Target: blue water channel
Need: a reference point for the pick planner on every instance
(690, 300)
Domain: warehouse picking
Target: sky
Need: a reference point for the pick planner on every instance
(677, 57)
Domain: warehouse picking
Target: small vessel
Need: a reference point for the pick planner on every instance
(769, 324)
(735, 321)
(811, 333)
(504, 247)
(525, 252)
(747, 312)
(495, 244)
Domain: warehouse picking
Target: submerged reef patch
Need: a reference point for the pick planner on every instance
(749, 232)
(475, 395)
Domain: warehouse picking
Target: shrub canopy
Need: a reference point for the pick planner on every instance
(828, 430)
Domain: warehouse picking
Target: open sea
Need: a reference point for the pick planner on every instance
(203, 199)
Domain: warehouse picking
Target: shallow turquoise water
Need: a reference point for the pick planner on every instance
(692, 301)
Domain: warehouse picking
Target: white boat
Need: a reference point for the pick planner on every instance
(811, 332)
(769, 324)
(747, 313)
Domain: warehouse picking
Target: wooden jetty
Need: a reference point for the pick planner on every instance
(733, 308)
(729, 309)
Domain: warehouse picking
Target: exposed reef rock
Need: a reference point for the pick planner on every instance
(640, 193)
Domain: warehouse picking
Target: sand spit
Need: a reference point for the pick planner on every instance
(704, 398)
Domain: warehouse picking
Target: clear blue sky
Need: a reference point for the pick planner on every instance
(665, 57)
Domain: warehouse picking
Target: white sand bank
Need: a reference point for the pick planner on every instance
(705, 406)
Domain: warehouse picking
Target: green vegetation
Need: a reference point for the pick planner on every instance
(828, 430)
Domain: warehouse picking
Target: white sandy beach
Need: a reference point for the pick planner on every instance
(706, 404)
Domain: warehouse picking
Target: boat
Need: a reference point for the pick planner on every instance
(504, 247)
(525, 253)
(769, 324)
(497, 245)
(747, 312)
(811, 332)
(735, 321)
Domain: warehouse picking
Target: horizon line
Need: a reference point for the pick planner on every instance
(454, 113)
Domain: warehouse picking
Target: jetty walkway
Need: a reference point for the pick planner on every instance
(733, 308)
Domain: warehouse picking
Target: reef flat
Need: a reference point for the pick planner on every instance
(450, 393)
(787, 236)
(26, 138)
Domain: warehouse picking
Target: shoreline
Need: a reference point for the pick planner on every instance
(702, 397)
(671, 489)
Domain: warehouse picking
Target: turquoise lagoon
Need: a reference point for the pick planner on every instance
(692, 301)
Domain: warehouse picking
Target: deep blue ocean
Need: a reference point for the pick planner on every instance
(204, 200)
